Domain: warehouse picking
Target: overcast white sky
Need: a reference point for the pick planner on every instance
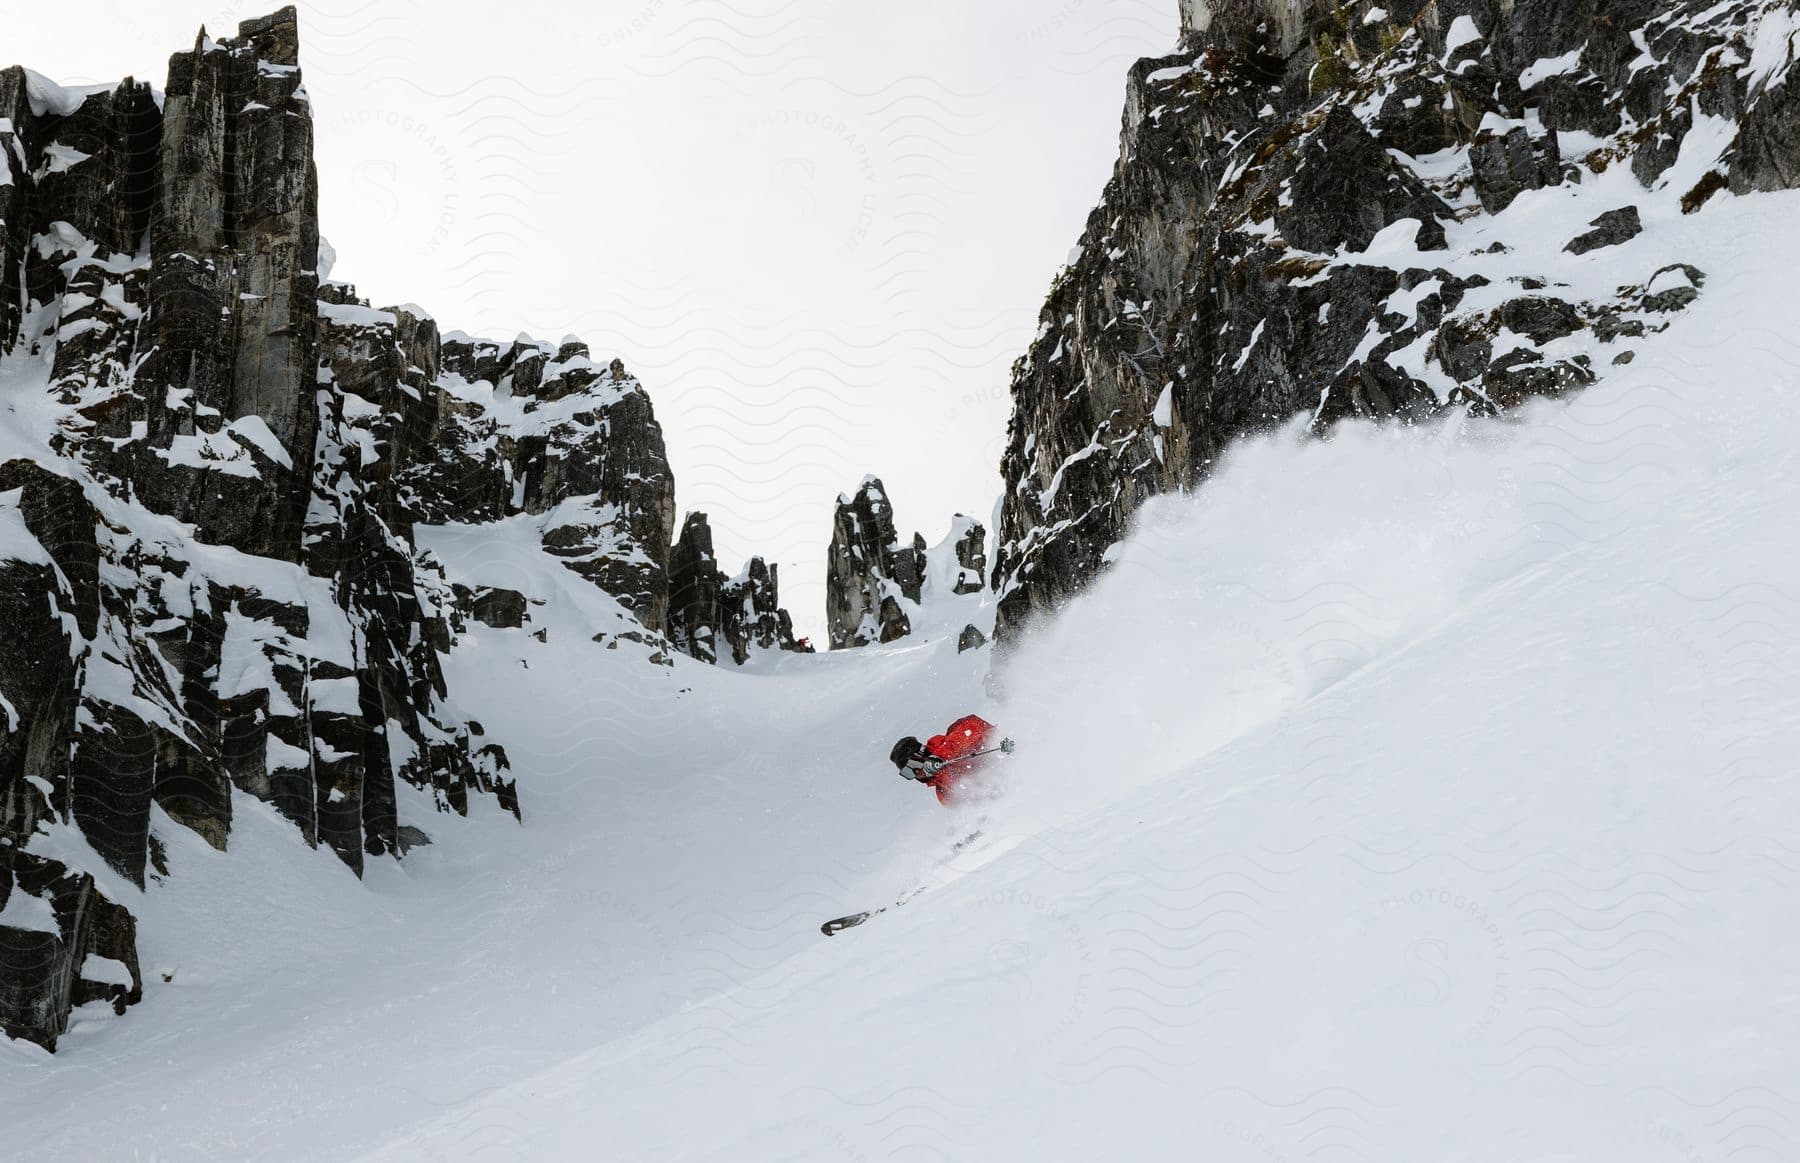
(819, 230)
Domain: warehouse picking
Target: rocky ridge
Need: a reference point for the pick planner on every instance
(209, 579)
(1308, 221)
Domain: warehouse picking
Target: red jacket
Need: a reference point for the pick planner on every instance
(966, 736)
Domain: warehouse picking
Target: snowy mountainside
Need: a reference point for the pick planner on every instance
(212, 461)
(1412, 789)
(1441, 818)
(1330, 209)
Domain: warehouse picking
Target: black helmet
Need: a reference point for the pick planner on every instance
(905, 750)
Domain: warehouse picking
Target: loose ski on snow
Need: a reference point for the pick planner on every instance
(834, 927)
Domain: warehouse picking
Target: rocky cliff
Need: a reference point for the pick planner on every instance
(212, 464)
(1309, 219)
(709, 610)
(871, 577)
(876, 586)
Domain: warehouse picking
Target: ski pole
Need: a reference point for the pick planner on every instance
(990, 751)
(943, 763)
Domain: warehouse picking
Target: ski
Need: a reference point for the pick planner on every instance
(833, 927)
(966, 841)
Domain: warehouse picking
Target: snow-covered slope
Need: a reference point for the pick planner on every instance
(1439, 814)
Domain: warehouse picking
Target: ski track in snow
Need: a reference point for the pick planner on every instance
(1440, 813)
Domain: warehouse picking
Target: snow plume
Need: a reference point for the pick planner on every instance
(1576, 543)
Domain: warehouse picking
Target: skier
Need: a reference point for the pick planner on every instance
(942, 764)
(946, 760)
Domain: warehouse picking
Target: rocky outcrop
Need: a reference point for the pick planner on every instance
(706, 608)
(1612, 228)
(495, 606)
(62, 944)
(222, 180)
(877, 589)
(752, 615)
(968, 548)
(1275, 240)
(170, 291)
(543, 430)
(469, 430)
(696, 587)
(1510, 161)
(210, 583)
(871, 579)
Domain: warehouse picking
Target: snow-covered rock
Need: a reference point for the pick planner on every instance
(211, 580)
(712, 616)
(871, 578)
(880, 590)
(1339, 210)
(62, 944)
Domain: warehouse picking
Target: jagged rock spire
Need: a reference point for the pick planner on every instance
(704, 607)
(969, 545)
(875, 584)
(868, 571)
(695, 587)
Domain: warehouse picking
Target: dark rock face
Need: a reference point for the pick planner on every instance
(869, 571)
(53, 919)
(90, 168)
(473, 432)
(210, 582)
(875, 585)
(501, 608)
(969, 544)
(63, 944)
(1609, 229)
(705, 607)
(1507, 164)
(696, 587)
(1673, 288)
(230, 349)
(173, 254)
(592, 463)
(1343, 189)
(1272, 242)
(751, 615)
